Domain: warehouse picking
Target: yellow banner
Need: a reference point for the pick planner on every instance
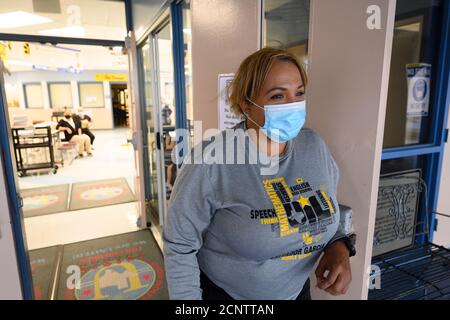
(111, 77)
(2, 51)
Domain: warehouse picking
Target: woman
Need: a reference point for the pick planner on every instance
(71, 126)
(235, 233)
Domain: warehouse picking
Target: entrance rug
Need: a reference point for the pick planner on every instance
(44, 263)
(128, 266)
(44, 200)
(100, 193)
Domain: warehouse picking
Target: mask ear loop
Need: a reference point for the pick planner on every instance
(248, 117)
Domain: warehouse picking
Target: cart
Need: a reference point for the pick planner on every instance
(25, 139)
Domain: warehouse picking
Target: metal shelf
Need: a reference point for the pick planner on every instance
(418, 273)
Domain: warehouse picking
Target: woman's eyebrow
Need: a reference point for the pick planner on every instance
(283, 89)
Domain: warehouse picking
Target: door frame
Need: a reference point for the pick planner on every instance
(14, 202)
(170, 14)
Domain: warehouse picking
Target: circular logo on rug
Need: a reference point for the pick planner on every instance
(39, 202)
(102, 193)
(128, 280)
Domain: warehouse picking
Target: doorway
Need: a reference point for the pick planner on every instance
(119, 96)
(90, 203)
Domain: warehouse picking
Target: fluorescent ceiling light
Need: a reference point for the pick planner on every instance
(72, 31)
(20, 19)
(18, 63)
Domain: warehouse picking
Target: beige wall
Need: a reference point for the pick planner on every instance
(349, 72)
(223, 34)
(442, 235)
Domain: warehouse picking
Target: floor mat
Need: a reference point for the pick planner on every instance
(44, 200)
(44, 264)
(100, 193)
(128, 266)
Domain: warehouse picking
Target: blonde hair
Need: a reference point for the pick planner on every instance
(252, 74)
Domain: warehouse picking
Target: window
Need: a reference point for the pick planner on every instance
(12, 94)
(414, 67)
(91, 95)
(286, 25)
(60, 95)
(412, 116)
(33, 96)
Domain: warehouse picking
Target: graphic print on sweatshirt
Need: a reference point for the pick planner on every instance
(297, 210)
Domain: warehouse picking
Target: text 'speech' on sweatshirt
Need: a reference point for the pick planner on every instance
(257, 236)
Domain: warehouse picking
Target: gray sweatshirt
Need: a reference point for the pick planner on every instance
(256, 236)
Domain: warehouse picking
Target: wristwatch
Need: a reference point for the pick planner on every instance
(349, 241)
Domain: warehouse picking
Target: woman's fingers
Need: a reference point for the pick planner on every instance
(330, 279)
(320, 270)
(340, 286)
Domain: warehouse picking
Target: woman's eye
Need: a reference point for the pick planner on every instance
(277, 96)
(300, 94)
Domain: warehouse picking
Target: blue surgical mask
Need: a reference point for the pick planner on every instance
(282, 122)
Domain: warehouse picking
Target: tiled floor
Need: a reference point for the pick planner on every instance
(113, 158)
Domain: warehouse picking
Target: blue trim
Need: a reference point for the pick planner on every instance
(129, 15)
(178, 63)
(176, 11)
(444, 102)
(17, 222)
(57, 40)
(408, 151)
(26, 98)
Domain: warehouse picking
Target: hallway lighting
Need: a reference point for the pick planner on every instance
(72, 31)
(18, 19)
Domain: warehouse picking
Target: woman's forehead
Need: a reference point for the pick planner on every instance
(285, 74)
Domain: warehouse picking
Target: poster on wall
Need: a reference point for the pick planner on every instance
(227, 118)
(418, 80)
(397, 207)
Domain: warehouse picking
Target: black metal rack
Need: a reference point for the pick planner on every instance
(418, 272)
(38, 138)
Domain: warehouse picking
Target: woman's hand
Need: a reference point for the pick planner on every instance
(336, 260)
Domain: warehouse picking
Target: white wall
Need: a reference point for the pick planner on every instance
(442, 235)
(347, 94)
(9, 275)
(223, 34)
(103, 117)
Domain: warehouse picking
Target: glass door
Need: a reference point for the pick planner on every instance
(159, 115)
(165, 72)
(166, 110)
(147, 74)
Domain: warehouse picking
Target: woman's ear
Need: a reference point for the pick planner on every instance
(245, 107)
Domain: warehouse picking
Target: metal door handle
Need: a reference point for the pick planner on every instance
(158, 141)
